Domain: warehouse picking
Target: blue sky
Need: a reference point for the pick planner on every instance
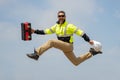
(99, 19)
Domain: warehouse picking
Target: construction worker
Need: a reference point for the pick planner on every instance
(64, 32)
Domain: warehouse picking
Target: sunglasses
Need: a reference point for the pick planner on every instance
(61, 15)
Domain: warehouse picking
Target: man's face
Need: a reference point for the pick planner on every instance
(61, 18)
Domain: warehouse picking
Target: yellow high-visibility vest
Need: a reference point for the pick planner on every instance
(65, 30)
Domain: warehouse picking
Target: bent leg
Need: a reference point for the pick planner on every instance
(77, 60)
(44, 47)
(54, 43)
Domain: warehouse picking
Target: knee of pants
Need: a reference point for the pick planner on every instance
(51, 42)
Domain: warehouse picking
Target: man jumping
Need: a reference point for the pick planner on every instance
(64, 32)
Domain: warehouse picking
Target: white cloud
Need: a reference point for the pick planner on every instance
(81, 7)
(77, 9)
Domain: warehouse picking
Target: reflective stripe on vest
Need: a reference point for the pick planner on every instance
(65, 33)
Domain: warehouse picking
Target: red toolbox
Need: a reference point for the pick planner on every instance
(26, 31)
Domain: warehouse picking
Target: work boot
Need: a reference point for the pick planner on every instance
(33, 55)
(93, 52)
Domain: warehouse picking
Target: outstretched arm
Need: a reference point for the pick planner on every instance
(50, 30)
(86, 38)
(38, 31)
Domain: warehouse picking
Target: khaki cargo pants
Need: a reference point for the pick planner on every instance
(67, 48)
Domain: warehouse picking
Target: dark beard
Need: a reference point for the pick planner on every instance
(58, 22)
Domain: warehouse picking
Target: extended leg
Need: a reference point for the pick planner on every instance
(77, 60)
(40, 50)
(49, 44)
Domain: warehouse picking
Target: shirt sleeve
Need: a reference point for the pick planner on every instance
(86, 38)
(76, 30)
(39, 32)
(50, 30)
